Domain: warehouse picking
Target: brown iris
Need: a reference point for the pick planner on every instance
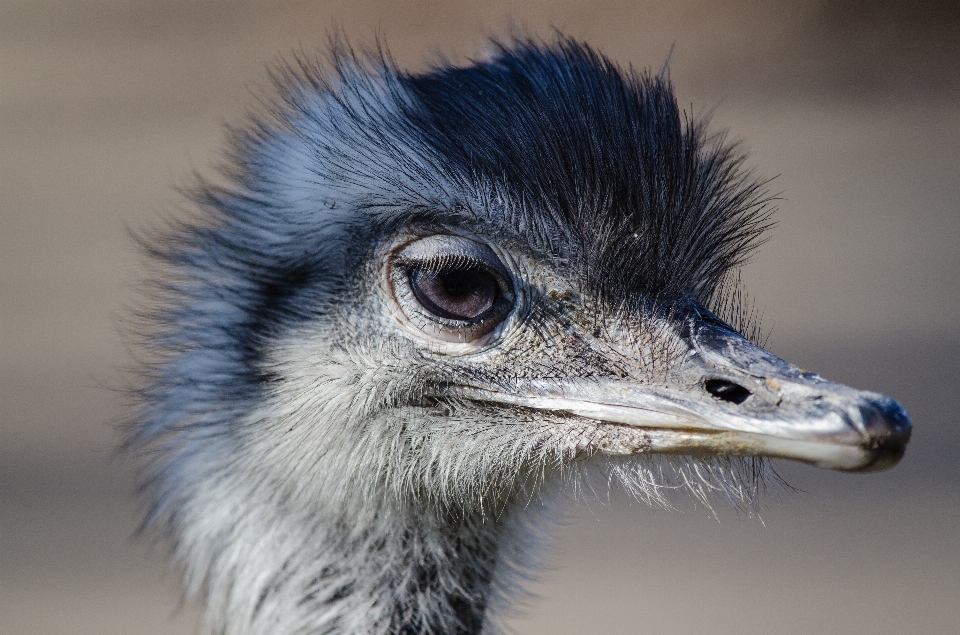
(465, 293)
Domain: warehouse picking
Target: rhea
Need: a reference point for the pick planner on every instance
(416, 304)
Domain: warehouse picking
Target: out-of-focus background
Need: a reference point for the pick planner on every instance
(107, 105)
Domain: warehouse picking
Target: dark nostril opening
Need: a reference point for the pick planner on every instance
(726, 390)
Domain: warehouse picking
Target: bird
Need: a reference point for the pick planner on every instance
(414, 310)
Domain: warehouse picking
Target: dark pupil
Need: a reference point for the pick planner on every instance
(455, 293)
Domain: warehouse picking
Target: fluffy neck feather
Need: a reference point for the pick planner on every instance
(397, 570)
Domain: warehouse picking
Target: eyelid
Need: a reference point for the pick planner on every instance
(440, 248)
(444, 261)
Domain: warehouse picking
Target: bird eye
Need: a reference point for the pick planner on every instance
(451, 287)
(464, 293)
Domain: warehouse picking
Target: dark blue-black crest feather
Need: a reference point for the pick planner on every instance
(609, 173)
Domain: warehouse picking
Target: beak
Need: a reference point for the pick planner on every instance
(728, 396)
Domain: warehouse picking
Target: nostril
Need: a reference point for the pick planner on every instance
(727, 390)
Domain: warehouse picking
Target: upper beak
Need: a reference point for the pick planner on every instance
(729, 396)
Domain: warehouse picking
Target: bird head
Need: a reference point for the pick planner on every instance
(453, 284)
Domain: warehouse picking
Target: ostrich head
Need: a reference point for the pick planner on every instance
(421, 301)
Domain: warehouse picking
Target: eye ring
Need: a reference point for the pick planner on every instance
(451, 288)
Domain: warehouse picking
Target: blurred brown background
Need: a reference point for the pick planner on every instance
(106, 105)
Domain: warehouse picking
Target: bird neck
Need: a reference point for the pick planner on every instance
(424, 571)
(399, 570)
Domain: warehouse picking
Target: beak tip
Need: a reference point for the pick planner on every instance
(887, 428)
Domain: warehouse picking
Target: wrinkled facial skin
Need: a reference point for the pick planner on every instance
(673, 378)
